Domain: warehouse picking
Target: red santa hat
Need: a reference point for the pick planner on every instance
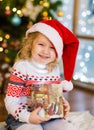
(65, 43)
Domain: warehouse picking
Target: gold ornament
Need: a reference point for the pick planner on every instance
(60, 13)
(46, 4)
(7, 59)
(45, 13)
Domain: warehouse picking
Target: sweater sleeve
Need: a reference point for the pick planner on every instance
(15, 99)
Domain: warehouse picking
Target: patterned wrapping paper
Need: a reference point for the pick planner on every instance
(49, 98)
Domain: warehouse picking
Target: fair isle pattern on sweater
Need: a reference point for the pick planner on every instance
(19, 84)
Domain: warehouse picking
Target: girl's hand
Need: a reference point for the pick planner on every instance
(35, 118)
(66, 107)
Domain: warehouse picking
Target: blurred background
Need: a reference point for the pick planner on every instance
(16, 16)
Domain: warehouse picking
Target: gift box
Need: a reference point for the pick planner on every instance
(49, 98)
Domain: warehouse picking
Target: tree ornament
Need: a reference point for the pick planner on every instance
(46, 4)
(45, 14)
(31, 11)
(8, 12)
(60, 13)
(4, 44)
(7, 59)
(16, 21)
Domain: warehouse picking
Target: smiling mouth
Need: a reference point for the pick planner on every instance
(43, 56)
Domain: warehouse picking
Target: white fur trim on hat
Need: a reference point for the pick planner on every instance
(67, 85)
(51, 34)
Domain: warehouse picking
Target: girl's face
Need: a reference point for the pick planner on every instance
(43, 51)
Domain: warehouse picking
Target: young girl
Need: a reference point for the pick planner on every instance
(46, 43)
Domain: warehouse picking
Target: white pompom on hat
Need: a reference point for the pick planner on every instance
(65, 43)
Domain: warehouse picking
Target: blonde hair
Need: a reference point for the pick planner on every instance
(26, 52)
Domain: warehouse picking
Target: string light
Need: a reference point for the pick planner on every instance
(1, 39)
(14, 9)
(1, 49)
(7, 36)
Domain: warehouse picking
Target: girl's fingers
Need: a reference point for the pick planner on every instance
(66, 114)
(66, 107)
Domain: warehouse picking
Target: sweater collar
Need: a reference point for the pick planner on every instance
(39, 68)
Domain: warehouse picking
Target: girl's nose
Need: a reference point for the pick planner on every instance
(46, 50)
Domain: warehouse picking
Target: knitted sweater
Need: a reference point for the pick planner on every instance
(23, 75)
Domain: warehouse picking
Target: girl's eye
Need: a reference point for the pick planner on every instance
(52, 47)
(41, 44)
